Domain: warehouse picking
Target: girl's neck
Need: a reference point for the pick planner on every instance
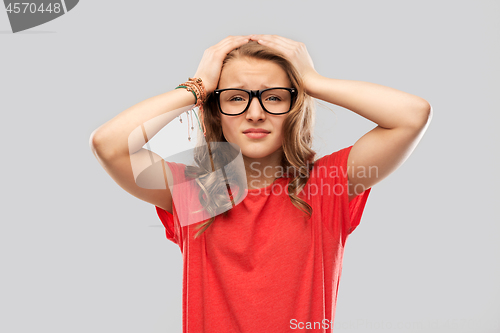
(262, 172)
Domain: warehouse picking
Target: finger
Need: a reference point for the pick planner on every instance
(222, 49)
(232, 42)
(228, 40)
(277, 44)
(285, 41)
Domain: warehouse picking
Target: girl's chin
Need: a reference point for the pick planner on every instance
(257, 155)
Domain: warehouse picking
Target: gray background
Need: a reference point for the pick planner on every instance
(79, 254)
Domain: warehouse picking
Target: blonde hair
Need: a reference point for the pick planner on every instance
(297, 142)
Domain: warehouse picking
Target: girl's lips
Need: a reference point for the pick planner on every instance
(256, 135)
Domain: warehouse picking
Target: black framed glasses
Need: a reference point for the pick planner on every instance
(233, 101)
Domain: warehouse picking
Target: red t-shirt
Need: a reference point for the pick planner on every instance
(267, 267)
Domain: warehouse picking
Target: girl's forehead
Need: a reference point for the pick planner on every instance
(244, 72)
(248, 63)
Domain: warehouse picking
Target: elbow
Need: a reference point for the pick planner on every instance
(94, 140)
(96, 143)
(427, 113)
(422, 115)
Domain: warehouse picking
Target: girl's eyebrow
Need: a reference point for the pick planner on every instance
(240, 86)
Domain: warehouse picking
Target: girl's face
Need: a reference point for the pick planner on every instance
(254, 74)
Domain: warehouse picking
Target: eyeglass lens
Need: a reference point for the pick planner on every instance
(274, 100)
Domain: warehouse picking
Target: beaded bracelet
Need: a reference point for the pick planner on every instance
(189, 89)
(195, 85)
(196, 90)
(200, 85)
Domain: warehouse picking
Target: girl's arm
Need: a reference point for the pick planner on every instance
(402, 118)
(114, 138)
(117, 144)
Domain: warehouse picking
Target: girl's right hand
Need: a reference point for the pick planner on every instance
(211, 64)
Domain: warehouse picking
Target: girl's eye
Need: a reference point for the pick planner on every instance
(274, 99)
(236, 99)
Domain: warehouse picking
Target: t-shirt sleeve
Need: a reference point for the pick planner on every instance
(342, 216)
(169, 220)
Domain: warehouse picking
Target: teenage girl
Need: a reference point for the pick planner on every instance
(272, 262)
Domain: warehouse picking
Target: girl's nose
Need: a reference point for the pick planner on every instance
(255, 111)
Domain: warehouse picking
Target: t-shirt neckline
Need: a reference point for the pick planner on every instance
(266, 187)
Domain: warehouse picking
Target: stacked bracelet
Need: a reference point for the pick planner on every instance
(199, 85)
(195, 85)
(189, 89)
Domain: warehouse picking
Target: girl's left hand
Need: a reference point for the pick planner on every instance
(294, 51)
